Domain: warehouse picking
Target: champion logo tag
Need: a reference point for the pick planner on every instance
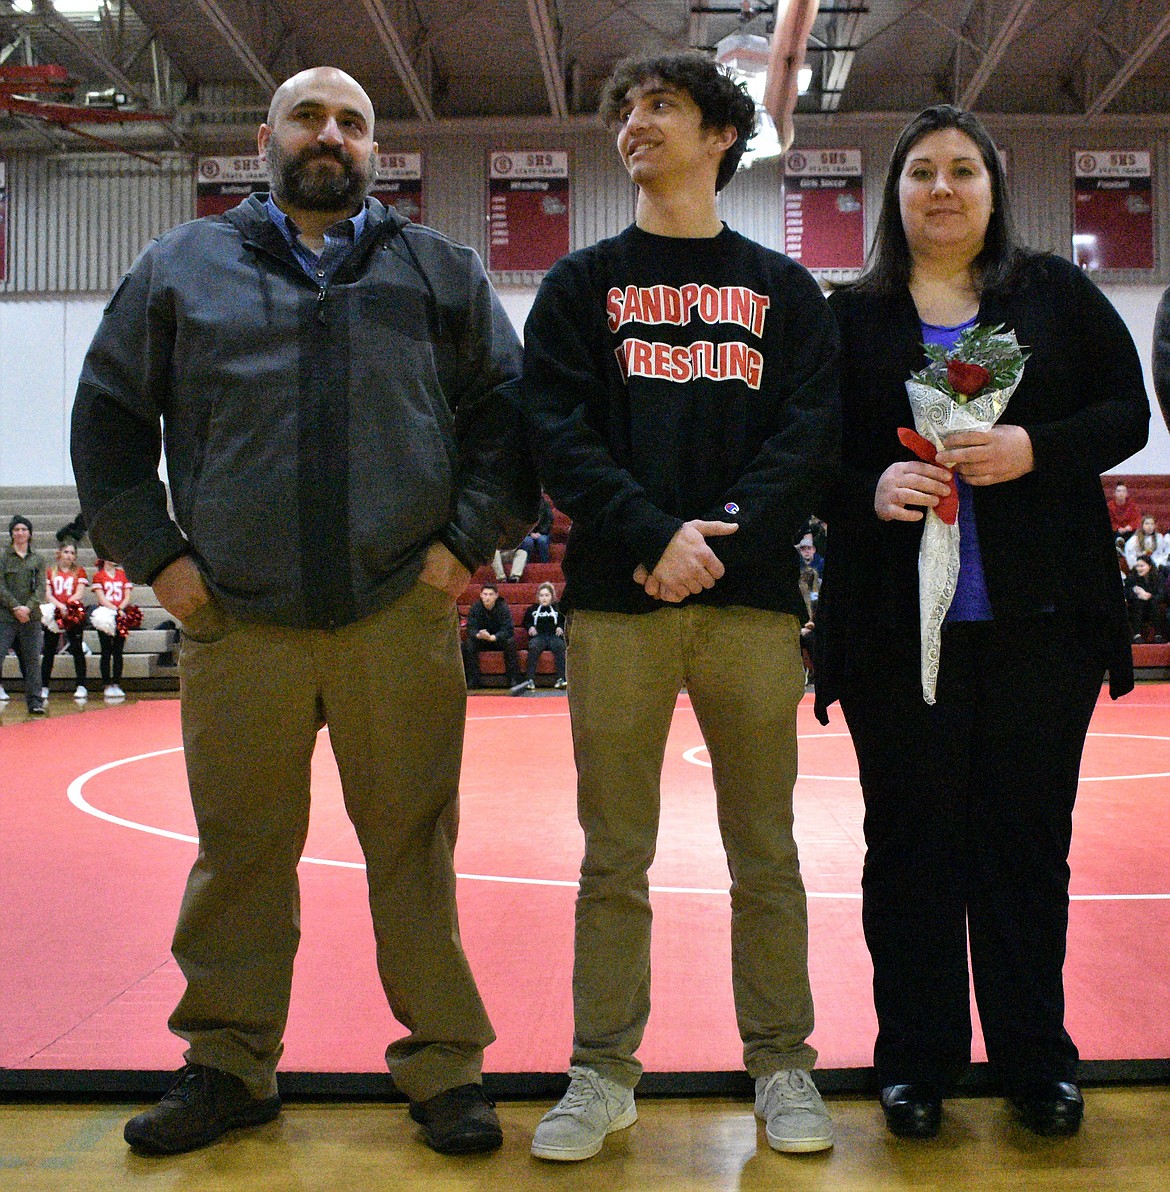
(731, 507)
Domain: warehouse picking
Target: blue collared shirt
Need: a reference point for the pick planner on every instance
(339, 239)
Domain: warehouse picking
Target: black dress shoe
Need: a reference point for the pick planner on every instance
(460, 1121)
(200, 1105)
(1052, 1108)
(912, 1110)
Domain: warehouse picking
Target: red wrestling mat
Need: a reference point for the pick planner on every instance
(95, 845)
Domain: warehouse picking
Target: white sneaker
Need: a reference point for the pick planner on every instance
(81, 695)
(796, 1117)
(3, 696)
(113, 691)
(593, 1107)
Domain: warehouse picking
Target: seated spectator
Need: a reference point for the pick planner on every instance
(111, 589)
(535, 545)
(65, 584)
(1123, 514)
(1144, 598)
(1147, 541)
(809, 557)
(545, 626)
(508, 565)
(489, 627)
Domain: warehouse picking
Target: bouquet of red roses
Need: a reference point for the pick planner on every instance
(965, 388)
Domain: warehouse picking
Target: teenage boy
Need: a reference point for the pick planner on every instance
(489, 627)
(680, 383)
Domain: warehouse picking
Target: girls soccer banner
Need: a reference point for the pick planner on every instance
(1113, 209)
(824, 208)
(528, 210)
(223, 182)
(3, 222)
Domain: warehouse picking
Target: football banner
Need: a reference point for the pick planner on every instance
(1113, 209)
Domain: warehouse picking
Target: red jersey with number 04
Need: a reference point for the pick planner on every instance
(66, 587)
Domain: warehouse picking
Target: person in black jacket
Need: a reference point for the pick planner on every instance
(1161, 358)
(545, 625)
(489, 627)
(335, 388)
(968, 802)
(1145, 599)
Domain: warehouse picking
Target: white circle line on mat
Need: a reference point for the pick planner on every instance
(77, 798)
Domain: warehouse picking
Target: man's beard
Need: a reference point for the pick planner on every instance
(302, 187)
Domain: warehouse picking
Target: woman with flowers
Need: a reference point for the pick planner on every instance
(969, 779)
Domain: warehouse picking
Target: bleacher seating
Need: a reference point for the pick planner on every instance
(148, 659)
(1151, 493)
(518, 597)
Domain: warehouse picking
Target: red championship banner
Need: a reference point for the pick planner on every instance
(399, 184)
(824, 208)
(3, 222)
(528, 210)
(1113, 209)
(223, 182)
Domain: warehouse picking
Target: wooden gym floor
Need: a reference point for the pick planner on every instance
(676, 1146)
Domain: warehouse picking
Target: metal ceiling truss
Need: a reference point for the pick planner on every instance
(256, 68)
(841, 36)
(546, 28)
(413, 83)
(1127, 43)
(1004, 22)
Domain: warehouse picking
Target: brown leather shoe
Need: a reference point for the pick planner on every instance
(459, 1121)
(200, 1105)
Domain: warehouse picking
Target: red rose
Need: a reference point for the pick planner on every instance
(967, 378)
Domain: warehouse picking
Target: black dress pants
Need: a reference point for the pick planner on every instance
(968, 823)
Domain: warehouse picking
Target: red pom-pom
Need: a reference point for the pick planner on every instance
(71, 617)
(129, 618)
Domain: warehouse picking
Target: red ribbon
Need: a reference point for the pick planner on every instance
(948, 506)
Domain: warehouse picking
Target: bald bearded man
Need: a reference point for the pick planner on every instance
(335, 385)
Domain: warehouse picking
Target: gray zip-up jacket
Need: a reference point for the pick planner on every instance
(318, 440)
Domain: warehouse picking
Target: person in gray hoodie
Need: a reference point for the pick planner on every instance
(335, 385)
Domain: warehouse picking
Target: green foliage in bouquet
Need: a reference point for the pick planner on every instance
(984, 359)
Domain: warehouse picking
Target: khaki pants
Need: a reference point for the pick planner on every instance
(391, 690)
(742, 670)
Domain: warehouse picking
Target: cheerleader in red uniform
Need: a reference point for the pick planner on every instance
(112, 590)
(65, 583)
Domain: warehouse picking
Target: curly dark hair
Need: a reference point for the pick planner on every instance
(722, 101)
(888, 267)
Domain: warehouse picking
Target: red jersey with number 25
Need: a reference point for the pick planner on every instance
(114, 587)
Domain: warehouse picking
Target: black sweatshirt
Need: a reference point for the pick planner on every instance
(668, 379)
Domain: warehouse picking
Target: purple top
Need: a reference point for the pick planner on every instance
(971, 602)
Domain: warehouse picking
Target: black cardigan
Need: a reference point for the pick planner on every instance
(1083, 402)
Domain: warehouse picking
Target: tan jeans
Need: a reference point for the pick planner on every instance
(742, 670)
(391, 690)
